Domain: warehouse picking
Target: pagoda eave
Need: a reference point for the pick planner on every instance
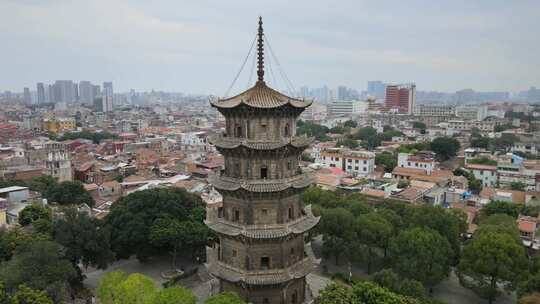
(224, 183)
(225, 143)
(296, 227)
(261, 277)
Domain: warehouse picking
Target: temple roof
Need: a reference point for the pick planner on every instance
(233, 142)
(298, 226)
(261, 185)
(260, 96)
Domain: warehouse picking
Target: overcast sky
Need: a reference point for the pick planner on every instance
(198, 46)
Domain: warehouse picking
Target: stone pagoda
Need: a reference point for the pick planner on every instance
(262, 223)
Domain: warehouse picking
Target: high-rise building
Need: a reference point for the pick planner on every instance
(86, 92)
(40, 93)
(108, 89)
(64, 91)
(376, 88)
(51, 93)
(260, 254)
(401, 98)
(27, 96)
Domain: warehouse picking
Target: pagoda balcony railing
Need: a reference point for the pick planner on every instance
(212, 218)
(228, 142)
(301, 175)
(261, 276)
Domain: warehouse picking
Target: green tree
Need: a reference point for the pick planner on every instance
(348, 142)
(85, 240)
(27, 295)
(42, 184)
(34, 212)
(372, 231)
(481, 142)
(336, 294)
(420, 125)
(386, 278)
(337, 226)
(449, 225)
(131, 218)
(136, 289)
(338, 130)
(320, 197)
(369, 293)
(518, 186)
(11, 239)
(504, 142)
(445, 147)
(174, 295)
(422, 254)
(495, 207)
(491, 260)
(350, 124)
(70, 192)
(225, 298)
(365, 133)
(412, 288)
(386, 159)
(106, 290)
(312, 129)
(39, 265)
(187, 235)
(529, 285)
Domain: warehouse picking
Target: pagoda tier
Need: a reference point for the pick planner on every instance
(225, 183)
(271, 231)
(262, 277)
(224, 143)
(260, 96)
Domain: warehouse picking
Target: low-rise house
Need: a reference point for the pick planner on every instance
(487, 174)
(15, 194)
(424, 160)
(527, 226)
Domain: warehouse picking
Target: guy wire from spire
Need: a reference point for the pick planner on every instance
(241, 68)
(260, 52)
(286, 80)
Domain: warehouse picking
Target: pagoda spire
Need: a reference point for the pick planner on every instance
(260, 52)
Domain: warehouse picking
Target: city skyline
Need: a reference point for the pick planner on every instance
(487, 46)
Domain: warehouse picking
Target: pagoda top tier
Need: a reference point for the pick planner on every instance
(261, 96)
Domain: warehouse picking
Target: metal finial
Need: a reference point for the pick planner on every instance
(260, 52)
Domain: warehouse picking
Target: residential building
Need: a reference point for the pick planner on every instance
(347, 107)
(424, 160)
(468, 125)
(358, 163)
(468, 112)
(58, 161)
(485, 173)
(59, 125)
(434, 110)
